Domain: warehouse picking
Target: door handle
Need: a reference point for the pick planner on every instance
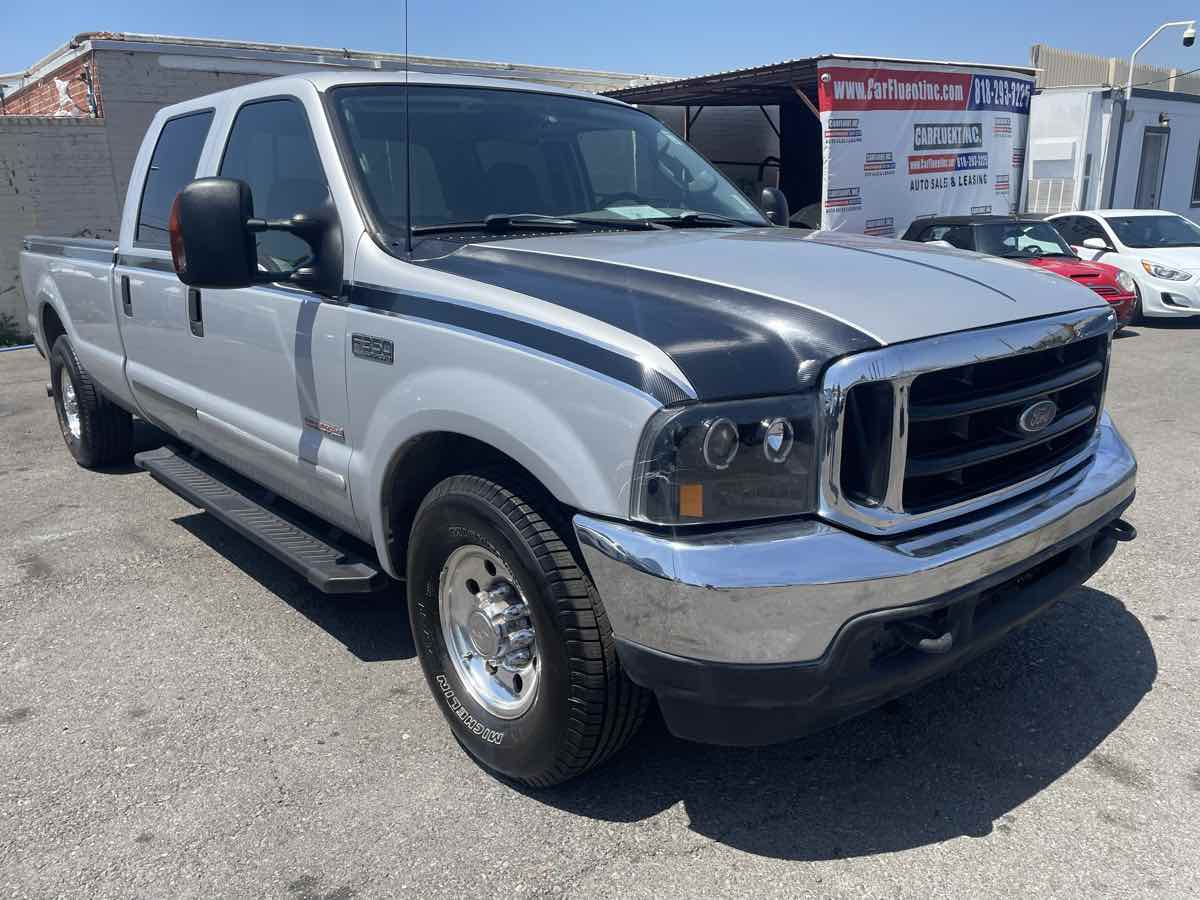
(126, 302)
(195, 312)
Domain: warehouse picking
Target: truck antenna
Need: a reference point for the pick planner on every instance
(407, 146)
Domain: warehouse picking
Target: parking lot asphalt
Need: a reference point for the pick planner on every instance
(180, 715)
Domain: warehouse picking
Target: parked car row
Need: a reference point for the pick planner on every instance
(1031, 241)
(1144, 262)
(1160, 251)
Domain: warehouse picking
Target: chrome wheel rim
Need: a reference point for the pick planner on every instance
(489, 632)
(70, 406)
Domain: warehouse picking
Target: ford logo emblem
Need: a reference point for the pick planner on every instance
(1037, 416)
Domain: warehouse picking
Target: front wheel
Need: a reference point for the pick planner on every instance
(512, 637)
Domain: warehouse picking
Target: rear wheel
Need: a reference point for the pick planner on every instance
(96, 431)
(514, 641)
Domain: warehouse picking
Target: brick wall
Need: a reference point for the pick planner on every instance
(55, 178)
(61, 93)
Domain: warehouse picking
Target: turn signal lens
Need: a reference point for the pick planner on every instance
(691, 501)
(178, 257)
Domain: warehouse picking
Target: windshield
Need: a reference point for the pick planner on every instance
(1020, 240)
(479, 152)
(1155, 231)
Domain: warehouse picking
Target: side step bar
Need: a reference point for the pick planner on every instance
(208, 485)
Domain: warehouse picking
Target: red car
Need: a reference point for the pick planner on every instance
(1033, 241)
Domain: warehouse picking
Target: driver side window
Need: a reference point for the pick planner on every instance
(1090, 228)
(271, 148)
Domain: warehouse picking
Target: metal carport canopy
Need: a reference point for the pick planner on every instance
(770, 85)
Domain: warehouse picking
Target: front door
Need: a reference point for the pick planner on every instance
(1150, 170)
(273, 369)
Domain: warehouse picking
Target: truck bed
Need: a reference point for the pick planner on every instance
(68, 286)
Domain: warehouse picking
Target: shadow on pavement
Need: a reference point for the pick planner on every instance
(1183, 323)
(145, 437)
(374, 627)
(946, 761)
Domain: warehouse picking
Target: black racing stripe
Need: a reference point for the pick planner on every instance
(527, 334)
(728, 342)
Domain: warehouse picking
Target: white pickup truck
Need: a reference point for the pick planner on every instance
(522, 359)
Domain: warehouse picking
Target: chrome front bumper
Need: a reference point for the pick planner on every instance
(779, 593)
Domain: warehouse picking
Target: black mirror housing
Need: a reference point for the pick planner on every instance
(774, 204)
(211, 243)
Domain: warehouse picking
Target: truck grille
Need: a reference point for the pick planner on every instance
(921, 432)
(965, 437)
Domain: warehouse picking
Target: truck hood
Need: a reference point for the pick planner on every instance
(757, 311)
(892, 290)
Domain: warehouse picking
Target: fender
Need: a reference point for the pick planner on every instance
(582, 474)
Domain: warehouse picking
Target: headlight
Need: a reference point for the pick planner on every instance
(1125, 282)
(1166, 272)
(727, 462)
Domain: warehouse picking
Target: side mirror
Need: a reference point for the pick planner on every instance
(775, 205)
(1094, 243)
(940, 243)
(211, 246)
(212, 232)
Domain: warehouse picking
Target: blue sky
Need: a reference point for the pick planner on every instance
(672, 38)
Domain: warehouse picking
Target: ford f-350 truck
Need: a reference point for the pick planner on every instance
(522, 358)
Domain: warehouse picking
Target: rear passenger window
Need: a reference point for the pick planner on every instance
(172, 166)
(271, 148)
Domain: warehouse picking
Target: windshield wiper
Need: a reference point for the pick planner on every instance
(503, 222)
(500, 222)
(694, 218)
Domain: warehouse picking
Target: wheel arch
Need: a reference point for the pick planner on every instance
(51, 324)
(52, 318)
(423, 461)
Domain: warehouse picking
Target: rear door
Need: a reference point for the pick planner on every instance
(270, 367)
(151, 301)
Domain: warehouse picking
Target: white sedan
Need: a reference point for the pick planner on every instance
(1160, 249)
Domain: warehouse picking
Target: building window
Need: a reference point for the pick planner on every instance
(1196, 180)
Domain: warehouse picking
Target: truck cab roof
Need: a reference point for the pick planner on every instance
(327, 80)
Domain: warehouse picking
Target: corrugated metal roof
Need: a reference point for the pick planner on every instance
(768, 84)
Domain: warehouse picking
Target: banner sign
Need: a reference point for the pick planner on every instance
(903, 141)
